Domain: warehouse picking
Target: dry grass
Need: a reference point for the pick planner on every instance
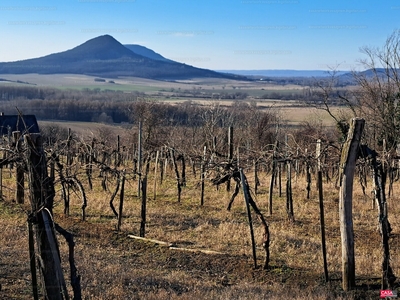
(113, 266)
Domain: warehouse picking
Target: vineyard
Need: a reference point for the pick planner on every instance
(210, 211)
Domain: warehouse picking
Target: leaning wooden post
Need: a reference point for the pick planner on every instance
(347, 168)
(42, 198)
(321, 209)
(245, 192)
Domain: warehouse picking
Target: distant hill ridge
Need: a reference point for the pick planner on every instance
(105, 56)
(283, 73)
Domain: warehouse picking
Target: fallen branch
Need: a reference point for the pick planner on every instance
(171, 246)
(196, 250)
(150, 240)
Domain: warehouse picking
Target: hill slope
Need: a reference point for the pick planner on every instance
(146, 52)
(105, 56)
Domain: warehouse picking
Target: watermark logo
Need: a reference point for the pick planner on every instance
(109, 30)
(36, 23)
(185, 33)
(279, 27)
(262, 52)
(106, 1)
(388, 294)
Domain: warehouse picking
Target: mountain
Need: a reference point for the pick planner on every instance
(146, 52)
(105, 56)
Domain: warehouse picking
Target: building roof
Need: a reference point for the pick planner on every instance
(24, 124)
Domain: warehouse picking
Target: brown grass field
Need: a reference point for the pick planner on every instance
(114, 266)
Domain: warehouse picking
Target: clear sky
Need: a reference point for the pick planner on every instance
(213, 34)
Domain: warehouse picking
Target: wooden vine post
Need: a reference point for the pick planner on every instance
(202, 175)
(19, 193)
(42, 198)
(289, 194)
(139, 158)
(273, 176)
(308, 176)
(143, 209)
(1, 178)
(347, 168)
(155, 175)
(121, 201)
(177, 176)
(256, 180)
(321, 209)
(230, 154)
(67, 172)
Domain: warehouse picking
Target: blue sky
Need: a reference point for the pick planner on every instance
(213, 34)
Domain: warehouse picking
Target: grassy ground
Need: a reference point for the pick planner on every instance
(114, 266)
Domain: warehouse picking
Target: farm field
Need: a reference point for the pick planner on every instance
(148, 86)
(114, 266)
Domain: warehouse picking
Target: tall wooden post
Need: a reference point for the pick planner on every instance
(139, 159)
(67, 173)
(347, 169)
(321, 209)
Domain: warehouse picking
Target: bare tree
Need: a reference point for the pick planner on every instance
(379, 92)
